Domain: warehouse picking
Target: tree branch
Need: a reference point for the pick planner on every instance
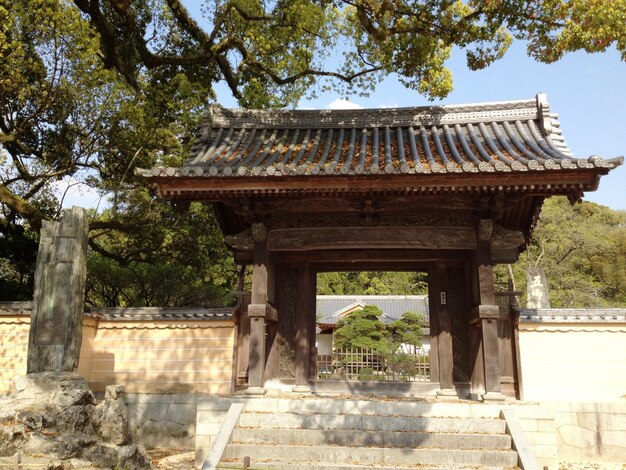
(20, 205)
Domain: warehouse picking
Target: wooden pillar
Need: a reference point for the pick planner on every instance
(272, 346)
(445, 358)
(303, 314)
(242, 323)
(257, 311)
(487, 312)
(311, 324)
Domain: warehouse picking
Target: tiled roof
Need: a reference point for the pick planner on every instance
(15, 308)
(133, 313)
(330, 307)
(573, 315)
(162, 313)
(511, 136)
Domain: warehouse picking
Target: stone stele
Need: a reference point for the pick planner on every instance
(60, 275)
(537, 291)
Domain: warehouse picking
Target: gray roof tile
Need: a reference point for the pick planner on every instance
(573, 315)
(133, 313)
(504, 136)
(392, 306)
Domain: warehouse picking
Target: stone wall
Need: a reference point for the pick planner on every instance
(591, 432)
(575, 432)
(210, 416)
(538, 424)
(163, 419)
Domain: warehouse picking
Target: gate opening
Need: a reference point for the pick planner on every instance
(372, 326)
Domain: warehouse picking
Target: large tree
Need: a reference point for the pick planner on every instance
(91, 89)
(65, 115)
(583, 251)
(278, 49)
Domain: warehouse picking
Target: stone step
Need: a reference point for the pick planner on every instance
(370, 455)
(371, 423)
(360, 438)
(340, 406)
(325, 465)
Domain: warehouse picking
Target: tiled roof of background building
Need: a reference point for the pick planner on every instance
(330, 307)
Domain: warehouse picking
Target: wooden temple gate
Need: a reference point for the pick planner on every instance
(447, 190)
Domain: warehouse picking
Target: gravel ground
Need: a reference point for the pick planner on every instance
(173, 459)
(178, 459)
(591, 466)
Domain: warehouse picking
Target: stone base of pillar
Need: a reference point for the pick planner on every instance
(447, 394)
(301, 389)
(492, 397)
(255, 391)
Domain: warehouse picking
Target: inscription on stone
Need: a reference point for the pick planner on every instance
(60, 274)
(537, 291)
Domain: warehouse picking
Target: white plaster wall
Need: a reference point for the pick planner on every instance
(573, 362)
(324, 343)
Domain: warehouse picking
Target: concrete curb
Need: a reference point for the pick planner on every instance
(223, 436)
(526, 457)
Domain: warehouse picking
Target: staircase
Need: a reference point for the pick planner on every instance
(346, 434)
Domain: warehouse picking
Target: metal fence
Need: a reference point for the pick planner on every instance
(367, 364)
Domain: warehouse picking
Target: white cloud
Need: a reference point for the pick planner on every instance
(344, 104)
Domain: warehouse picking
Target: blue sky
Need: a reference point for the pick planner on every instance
(588, 91)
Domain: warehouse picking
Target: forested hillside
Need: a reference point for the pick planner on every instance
(583, 251)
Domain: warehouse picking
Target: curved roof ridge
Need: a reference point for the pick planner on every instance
(218, 117)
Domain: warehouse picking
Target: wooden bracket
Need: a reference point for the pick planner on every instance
(484, 312)
(271, 313)
(267, 311)
(257, 310)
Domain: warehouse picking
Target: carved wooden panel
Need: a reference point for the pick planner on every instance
(330, 216)
(458, 306)
(303, 239)
(286, 300)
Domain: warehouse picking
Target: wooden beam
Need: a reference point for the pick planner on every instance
(215, 188)
(330, 238)
(363, 260)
